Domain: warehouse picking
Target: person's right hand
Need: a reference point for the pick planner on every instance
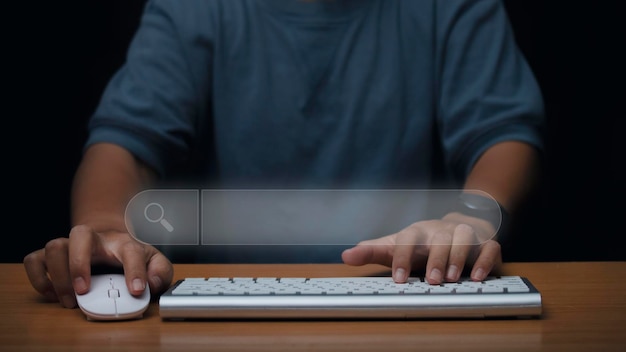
(63, 267)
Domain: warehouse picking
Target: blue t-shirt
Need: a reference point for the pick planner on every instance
(346, 94)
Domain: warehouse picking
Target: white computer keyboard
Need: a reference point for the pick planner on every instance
(348, 297)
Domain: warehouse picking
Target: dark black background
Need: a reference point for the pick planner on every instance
(59, 55)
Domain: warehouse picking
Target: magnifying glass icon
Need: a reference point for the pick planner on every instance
(159, 219)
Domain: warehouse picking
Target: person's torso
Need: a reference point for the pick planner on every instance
(318, 94)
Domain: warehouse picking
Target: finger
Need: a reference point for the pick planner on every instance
(82, 246)
(56, 258)
(463, 240)
(489, 258)
(378, 251)
(441, 243)
(145, 265)
(405, 250)
(160, 274)
(134, 257)
(34, 264)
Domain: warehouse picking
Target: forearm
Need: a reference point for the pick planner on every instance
(107, 178)
(508, 171)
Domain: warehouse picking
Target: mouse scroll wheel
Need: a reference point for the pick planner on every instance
(114, 293)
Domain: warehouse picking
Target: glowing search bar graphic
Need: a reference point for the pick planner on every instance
(284, 217)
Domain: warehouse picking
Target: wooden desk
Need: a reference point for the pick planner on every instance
(584, 310)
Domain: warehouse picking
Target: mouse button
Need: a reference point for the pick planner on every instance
(128, 303)
(93, 297)
(131, 305)
(99, 304)
(116, 281)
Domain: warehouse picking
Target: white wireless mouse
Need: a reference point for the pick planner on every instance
(108, 299)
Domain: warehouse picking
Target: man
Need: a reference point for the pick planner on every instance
(307, 94)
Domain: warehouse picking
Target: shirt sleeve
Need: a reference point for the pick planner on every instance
(152, 103)
(487, 92)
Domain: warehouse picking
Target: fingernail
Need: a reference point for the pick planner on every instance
(479, 274)
(435, 275)
(452, 272)
(399, 275)
(80, 285)
(68, 301)
(138, 285)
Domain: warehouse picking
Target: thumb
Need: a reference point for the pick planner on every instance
(378, 251)
(160, 274)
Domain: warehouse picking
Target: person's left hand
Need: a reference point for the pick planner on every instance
(443, 247)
